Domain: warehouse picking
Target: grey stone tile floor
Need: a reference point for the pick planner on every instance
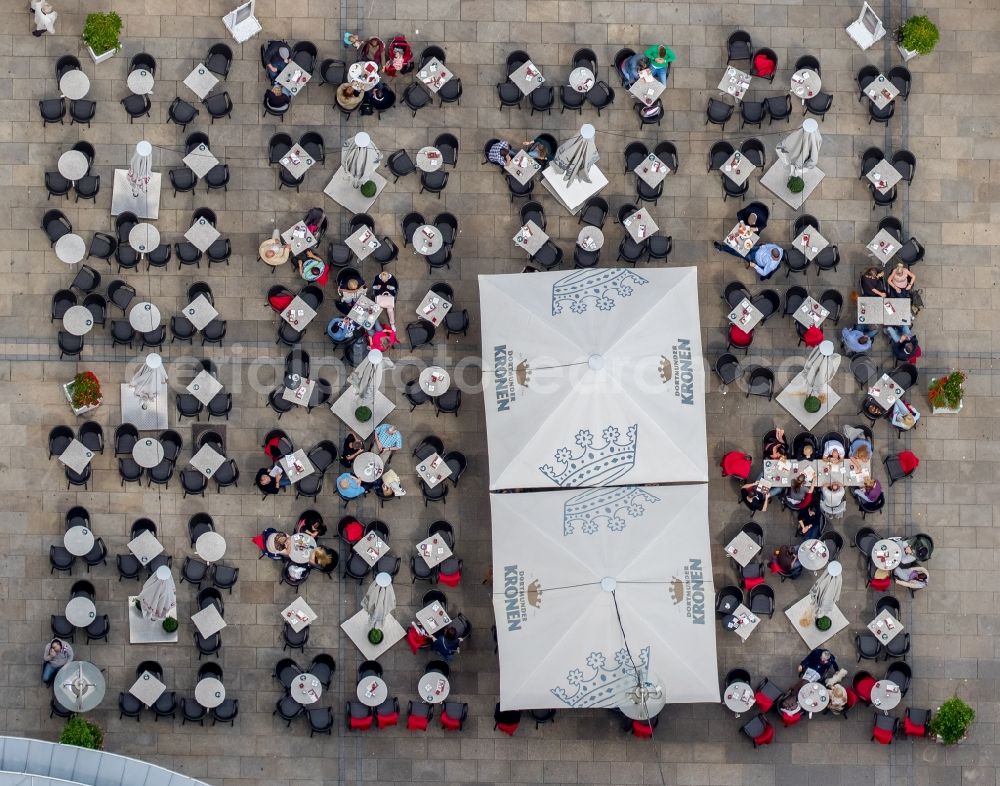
(950, 123)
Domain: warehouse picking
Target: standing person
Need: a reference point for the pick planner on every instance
(446, 645)
(57, 654)
(45, 18)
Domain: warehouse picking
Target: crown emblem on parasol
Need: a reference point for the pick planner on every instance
(666, 369)
(614, 507)
(592, 464)
(602, 684)
(534, 594)
(677, 590)
(523, 373)
(602, 287)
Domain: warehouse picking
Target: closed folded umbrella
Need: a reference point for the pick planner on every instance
(577, 155)
(149, 379)
(820, 367)
(800, 149)
(826, 591)
(140, 168)
(360, 158)
(367, 378)
(379, 601)
(159, 595)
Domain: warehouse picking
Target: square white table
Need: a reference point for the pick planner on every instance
(647, 89)
(748, 622)
(434, 74)
(884, 389)
(365, 312)
(742, 548)
(810, 313)
(810, 242)
(883, 246)
(298, 314)
(347, 404)
(200, 160)
(293, 77)
(357, 628)
(433, 550)
(288, 465)
(199, 312)
(371, 548)
(433, 475)
(880, 627)
(527, 77)
(881, 92)
(207, 460)
(746, 316)
(433, 308)
(522, 167)
(202, 234)
(883, 172)
(147, 689)
(433, 618)
(738, 168)
(76, 456)
(884, 311)
(208, 621)
(204, 387)
(742, 239)
(297, 154)
(145, 546)
(301, 394)
(530, 238)
(652, 170)
(640, 225)
(200, 80)
(362, 242)
(298, 237)
(298, 614)
(735, 83)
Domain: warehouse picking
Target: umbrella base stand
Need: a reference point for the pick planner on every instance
(340, 190)
(357, 628)
(145, 414)
(775, 180)
(145, 205)
(793, 399)
(573, 195)
(811, 635)
(144, 631)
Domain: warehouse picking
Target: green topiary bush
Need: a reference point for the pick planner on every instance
(362, 414)
(918, 34)
(170, 624)
(101, 32)
(82, 733)
(375, 636)
(796, 184)
(368, 189)
(812, 404)
(823, 623)
(951, 722)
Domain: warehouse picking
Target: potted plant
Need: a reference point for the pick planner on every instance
(945, 393)
(101, 34)
(812, 404)
(916, 36)
(796, 184)
(950, 724)
(83, 392)
(362, 414)
(170, 624)
(375, 636)
(368, 189)
(82, 733)
(823, 623)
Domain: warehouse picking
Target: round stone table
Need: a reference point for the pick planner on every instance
(147, 452)
(71, 248)
(78, 320)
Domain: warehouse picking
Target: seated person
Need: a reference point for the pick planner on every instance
(352, 448)
(57, 654)
(631, 68)
(312, 267)
(833, 451)
(775, 445)
(649, 111)
(341, 329)
(810, 522)
(900, 281)
(838, 699)
(873, 283)
(789, 706)
(383, 339)
(904, 415)
(446, 644)
(277, 100)
(398, 57)
(271, 481)
(276, 56)
(348, 97)
(380, 98)
(766, 259)
(855, 340)
(311, 523)
(756, 495)
(754, 215)
(390, 485)
(369, 49)
(277, 544)
(500, 153)
(384, 291)
(386, 440)
(316, 222)
(348, 291)
(807, 453)
(799, 493)
(869, 492)
(321, 558)
(904, 342)
(911, 576)
(786, 558)
(817, 665)
(660, 57)
(538, 149)
(832, 502)
(349, 486)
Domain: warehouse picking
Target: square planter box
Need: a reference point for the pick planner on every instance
(943, 410)
(100, 58)
(68, 392)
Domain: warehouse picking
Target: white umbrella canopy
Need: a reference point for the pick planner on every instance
(140, 168)
(826, 591)
(577, 155)
(149, 379)
(359, 158)
(800, 149)
(593, 378)
(820, 367)
(158, 595)
(379, 600)
(367, 378)
(599, 591)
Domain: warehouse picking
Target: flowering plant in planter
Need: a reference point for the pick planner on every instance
(951, 722)
(85, 390)
(946, 392)
(101, 32)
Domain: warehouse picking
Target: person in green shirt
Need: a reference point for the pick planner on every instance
(660, 57)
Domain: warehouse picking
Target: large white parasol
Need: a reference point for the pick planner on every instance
(577, 155)
(826, 591)
(149, 379)
(800, 149)
(367, 378)
(359, 158)
(379, 601)
(159, 595)
(140, 168)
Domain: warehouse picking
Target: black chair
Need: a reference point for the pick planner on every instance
(218, 106)
(731, 189)
(729, 368)
(304, 55)
(292, 640)
(65, 64)
(218, 177)
(752, 112)
(718, 113)
(905, 163)
(833, 302)
(819, 105)
(905, 375)
(226, 712)
(900, 673)
(288, 709)
(794, 297)
(727, 599)
(635, 154)
(753, 150)
(571, 99)
(82, 111)
(911, 252)
(62, 301)
(102, 246)
(718, 154)
(866, 75)
(69, 345)
(434, 182)
(136, 106)
(52, 110)
(333, 72)
(883, 115)
(901, 80)
(870, 158)
(447, 144)
(57, 185)
(60, 559)
(898, 646)
(400, 164)
(778, 108)
(98, 629)
(416, 97)
(834, 542)
(509, 94)
(55, 225)
(142, 60)
(219, 59)
(767, 301)
(648, 118)
(867, 647)
(601, 96)
(548, 256)
(738, 46)
(807, 61)
(827, 259)
(734, 293)
(760, 382)
(761, 600)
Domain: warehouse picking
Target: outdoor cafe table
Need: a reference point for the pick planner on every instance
(372, 691)
(371, 548)
(199, 312)
(293, 77)
(434, 380)
(78, 540)
(89, 678)
(429, 159)
(145, 546)
(813, 554)
(810, 242)
(363, 75)
(881, 92)
(80, 611)
(297, 161)
(431, 240)
(76, 456)
(742, 548)
(200, 160)
(298, 237)
(297, 466)
(886, 695)
(742, 622)
(140, 82)
(78, 320)
(433, 550)
(885, 627)
(200, 80)
(737, 168)
(301, 548)
(144, 317)
(365, 312)
(147, 689)
(202, 234)
(433, 687)
(887, 554)
(590, 238)
(651, 170)
(741, 238)
(433, 618)
(813, 697)
(434, 74)
(527, 77)
(883, 176)
(207, 460)
(746, 316)
(522, 167)
(530, 238)
(843, 473)
(647, 88)
(739, 697)
(805, 84)
(810, 313)
(432, 474)
(208, 621)
(74, 85)
(147, 452)
(301, 394)
(581, 79)
(70, 248)
(298, 314)
(885, 391)
(210, 546)
(362, 242)
(883, 246)
(204, 387)
(144, 237)
(298, 614)
(884, 311)
(209, 692)
(433, 308)
(640, 225)
(734, 82)
(73, 164)
(306, 689)
(368, 466)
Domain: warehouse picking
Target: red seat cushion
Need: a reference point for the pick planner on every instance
(740, 338)
(450, 579)
(508, 728)
(763, 65)
(259, 541)
(880, 585)
(752, 582)
(388, 719)
(852, 697)
(361, 724)
(449, 723)
(416, 723)
(911, 729)
(791, 720)
(813, 336)
(864, 688)
(764, 701)
(416, 640)
(737, 464)
(270, 445)
(279, 302)
(765, 737)
(640, 729)
(353, 531)
(908, 461)
(882, 736)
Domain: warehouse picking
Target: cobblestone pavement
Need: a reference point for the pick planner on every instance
(949, 122)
